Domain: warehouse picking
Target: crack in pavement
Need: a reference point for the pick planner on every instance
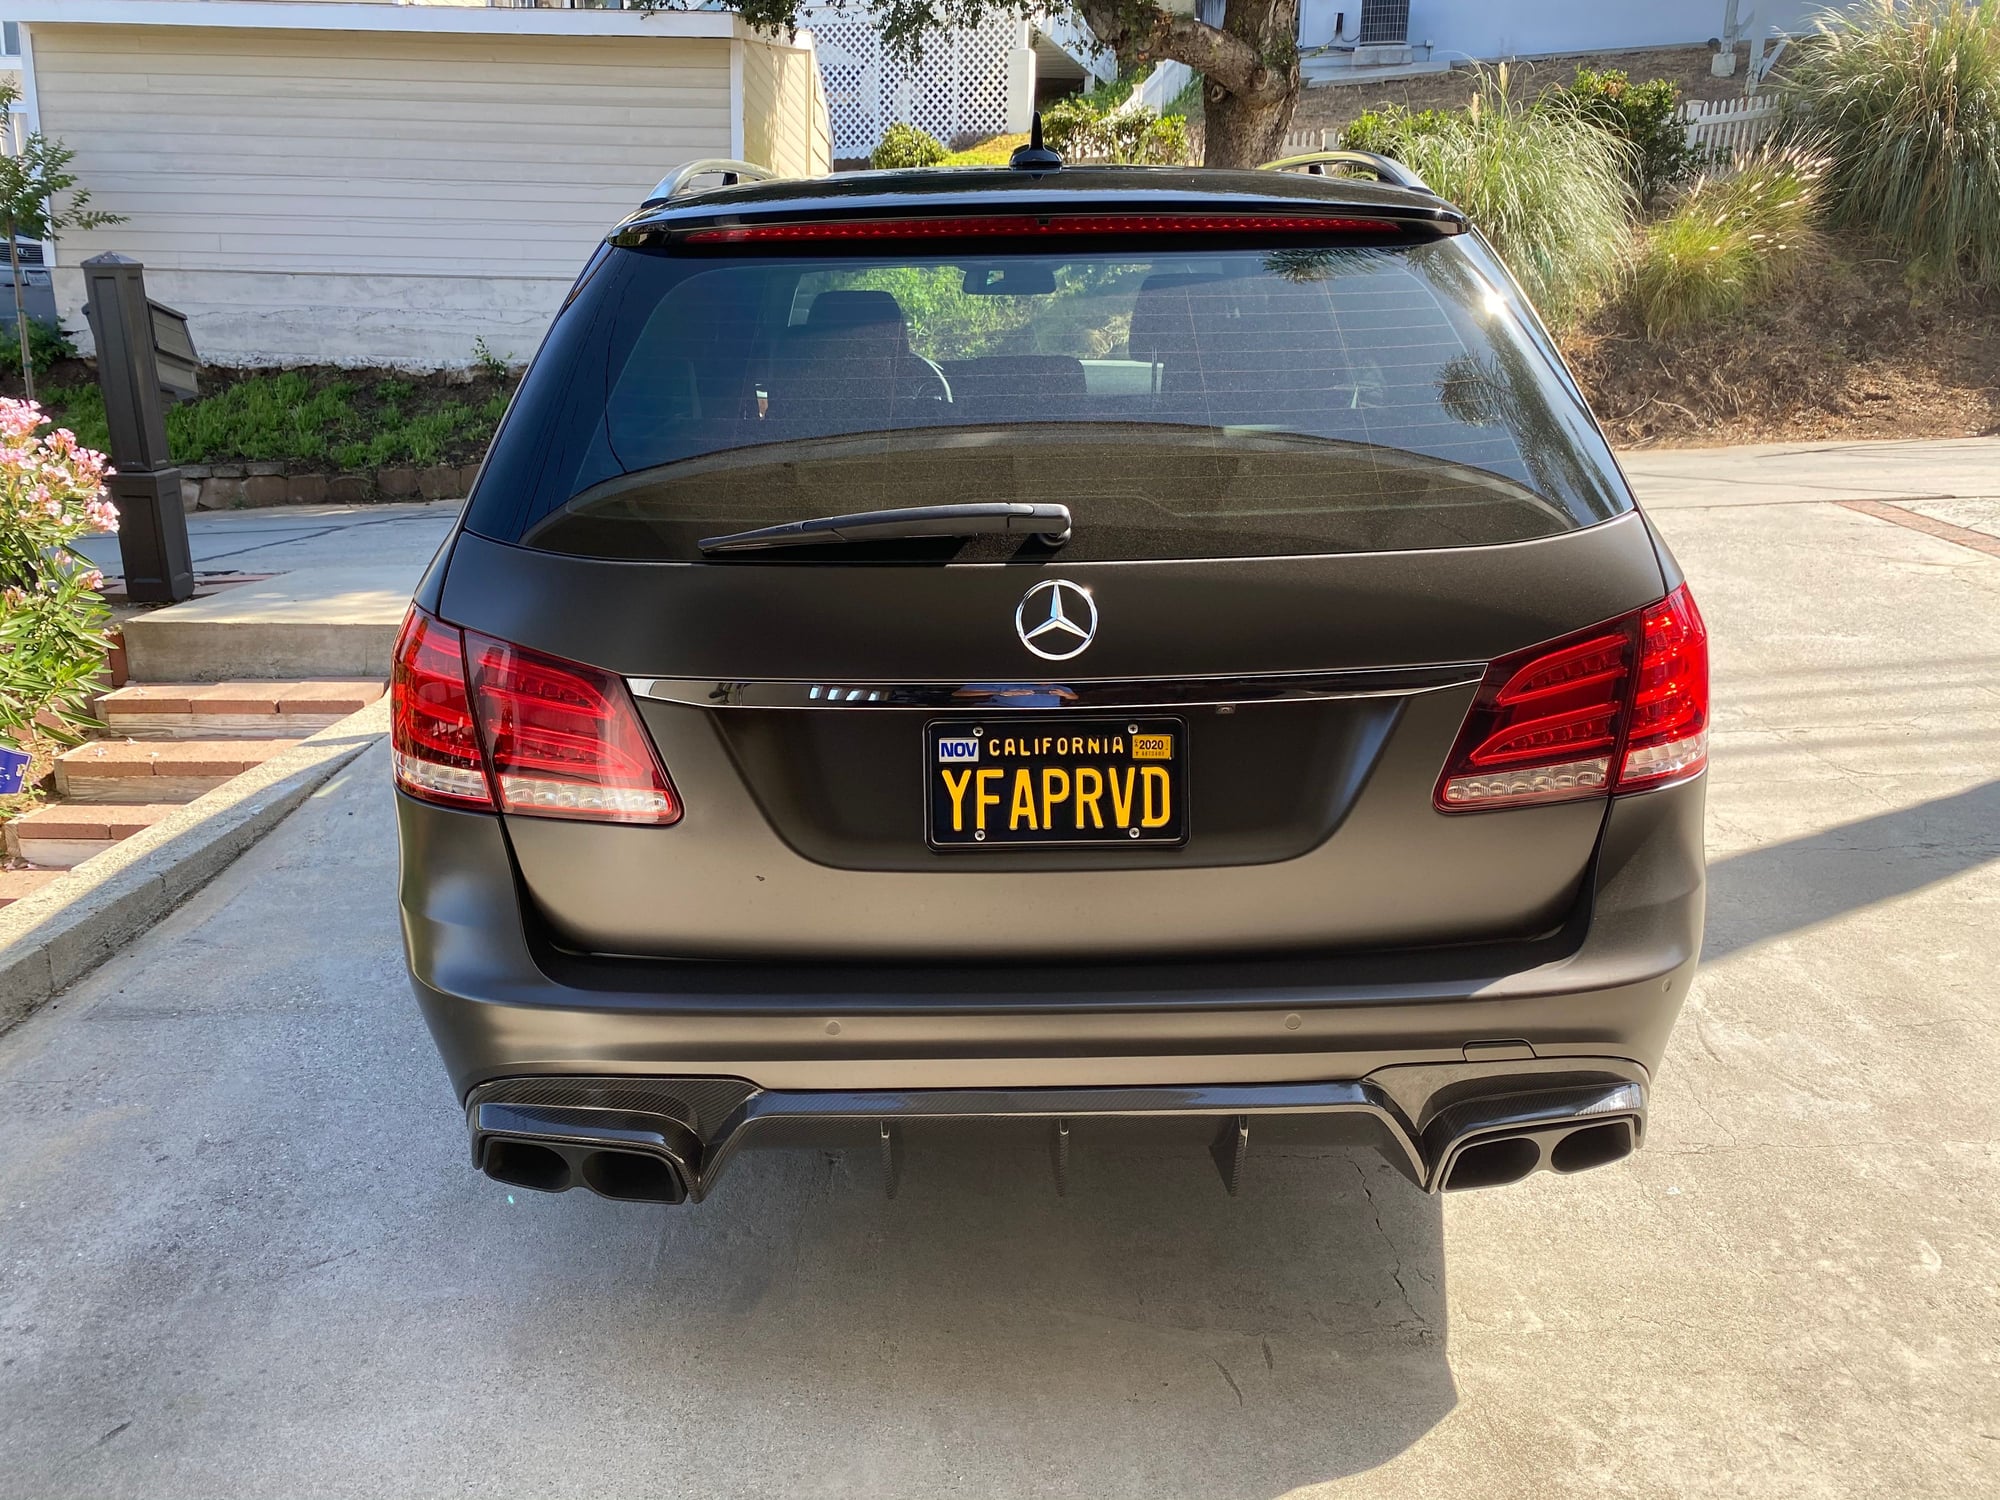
(1395, 1255)
(1228, 1377)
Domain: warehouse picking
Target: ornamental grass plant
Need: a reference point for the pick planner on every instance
(1729, 239)
(1906, 94)
(1549, 188)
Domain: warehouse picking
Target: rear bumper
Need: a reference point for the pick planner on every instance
(669, 1139)
(1423, 1032)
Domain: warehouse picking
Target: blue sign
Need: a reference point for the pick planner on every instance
(13, 769)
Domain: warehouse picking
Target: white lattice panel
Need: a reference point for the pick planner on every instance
(958, 87)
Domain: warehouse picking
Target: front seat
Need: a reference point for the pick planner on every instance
(850, 368)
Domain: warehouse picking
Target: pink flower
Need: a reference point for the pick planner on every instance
(19, 418)
(93, 580)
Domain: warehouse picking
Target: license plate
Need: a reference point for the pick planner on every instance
(1054, 781)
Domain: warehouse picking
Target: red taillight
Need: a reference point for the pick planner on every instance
(433, 742)
(562, 740)
(565, 739)
(1551, 723)
(955, 227)
(1669, 734)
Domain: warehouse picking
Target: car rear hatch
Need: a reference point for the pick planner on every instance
(1319, 479)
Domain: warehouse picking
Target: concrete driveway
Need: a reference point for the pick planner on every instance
(241, 1252)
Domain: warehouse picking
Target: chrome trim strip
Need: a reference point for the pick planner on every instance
(1041, 697)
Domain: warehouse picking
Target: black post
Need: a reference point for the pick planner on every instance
(152, 523)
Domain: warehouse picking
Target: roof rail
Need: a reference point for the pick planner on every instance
(1392, 172)
(676, 182)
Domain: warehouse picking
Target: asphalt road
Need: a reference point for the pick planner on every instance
(241, 1252)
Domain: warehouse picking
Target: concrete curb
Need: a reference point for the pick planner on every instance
(53, 938)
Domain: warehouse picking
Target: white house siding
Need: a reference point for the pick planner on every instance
(1492, 29)
(367, 196)
(784, 110)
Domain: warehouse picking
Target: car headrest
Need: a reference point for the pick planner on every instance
(1162, 315)
(853, 309)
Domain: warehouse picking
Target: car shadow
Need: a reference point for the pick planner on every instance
(1145, 1334)
(1784, 888)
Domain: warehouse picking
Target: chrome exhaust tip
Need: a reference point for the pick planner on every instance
(1493, 1142)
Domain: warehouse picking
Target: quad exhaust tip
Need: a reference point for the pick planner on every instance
(629, 1176)
(629, 1155)
(1494, 1142)
(1499, 1160)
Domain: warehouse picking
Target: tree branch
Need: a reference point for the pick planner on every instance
(1222, 57)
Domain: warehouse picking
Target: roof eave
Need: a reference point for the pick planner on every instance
(449, 20)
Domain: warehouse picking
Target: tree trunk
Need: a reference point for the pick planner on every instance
(1249, 64)
(20, 312)
(1247, 118)
(1243, 130)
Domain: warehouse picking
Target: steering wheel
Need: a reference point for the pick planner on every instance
(922, 381)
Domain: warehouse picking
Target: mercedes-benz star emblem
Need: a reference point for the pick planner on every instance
(1056, 619)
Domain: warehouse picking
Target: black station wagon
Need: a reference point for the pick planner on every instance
(1053, 647)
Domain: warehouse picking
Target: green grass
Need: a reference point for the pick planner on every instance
(1728, 241)
(992, 152)
(279, 417)
(1550, 190)
(1187, 105)
(1105, 96)
(323, 419)
(1907, 94)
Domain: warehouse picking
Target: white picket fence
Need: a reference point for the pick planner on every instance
(1724, 127)
(1298, 142)
(1729, 127)
(1295, 143)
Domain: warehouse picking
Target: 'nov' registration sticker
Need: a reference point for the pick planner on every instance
(1046, 781)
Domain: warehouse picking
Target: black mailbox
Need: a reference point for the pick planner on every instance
(173, 353)
(145, 362)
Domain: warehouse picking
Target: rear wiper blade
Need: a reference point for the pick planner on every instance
(1051, 523)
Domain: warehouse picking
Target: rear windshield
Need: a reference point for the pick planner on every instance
(1208, 403)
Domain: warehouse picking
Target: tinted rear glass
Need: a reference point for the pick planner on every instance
(1234, 402)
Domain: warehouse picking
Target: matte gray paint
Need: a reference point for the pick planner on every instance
(1383, 867)
(502, 1002)
(819, 621)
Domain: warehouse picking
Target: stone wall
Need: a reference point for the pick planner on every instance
(239, 486)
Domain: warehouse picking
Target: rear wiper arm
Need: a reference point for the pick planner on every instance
(1050, 523)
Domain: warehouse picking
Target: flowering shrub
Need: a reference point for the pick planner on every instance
(51, 619)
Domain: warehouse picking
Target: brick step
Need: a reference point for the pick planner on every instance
(67, 833)
(156, 771)
(14, 884)
(251, 710)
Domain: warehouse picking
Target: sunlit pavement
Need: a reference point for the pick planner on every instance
(242, 1253)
